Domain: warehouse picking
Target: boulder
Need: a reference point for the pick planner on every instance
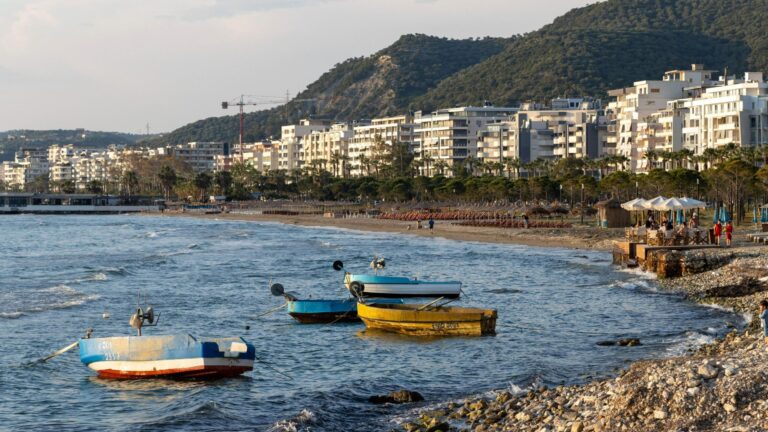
(397, 397)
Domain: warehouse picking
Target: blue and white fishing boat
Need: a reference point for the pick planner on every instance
(320, 311)
(376, 285)
(165, 356)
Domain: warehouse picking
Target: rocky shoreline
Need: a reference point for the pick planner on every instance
(722, 386)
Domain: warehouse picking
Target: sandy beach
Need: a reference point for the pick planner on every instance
(572, 238)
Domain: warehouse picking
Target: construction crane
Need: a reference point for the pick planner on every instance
(248, 100)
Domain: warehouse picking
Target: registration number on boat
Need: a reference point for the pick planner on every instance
(445, 326)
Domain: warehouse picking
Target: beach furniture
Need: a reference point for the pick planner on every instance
(428, 320)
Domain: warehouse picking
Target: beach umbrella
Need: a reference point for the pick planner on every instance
(669, 204)
(724, 216)
(715, 215)
(634, 205)
(690, 203)
(652, 203)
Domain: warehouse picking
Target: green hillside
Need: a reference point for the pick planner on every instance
(10, 141)
(585, 52)
(383, 83)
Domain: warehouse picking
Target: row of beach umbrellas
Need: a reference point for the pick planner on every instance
(663, 204)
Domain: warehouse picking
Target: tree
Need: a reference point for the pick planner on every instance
(167, 177)
(223, 180)
(129, 182)
(94, 187)
(203, 182)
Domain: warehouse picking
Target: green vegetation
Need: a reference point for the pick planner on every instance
(11, 141)
(364, 87)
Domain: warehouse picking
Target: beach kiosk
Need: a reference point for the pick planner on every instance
(611, 215)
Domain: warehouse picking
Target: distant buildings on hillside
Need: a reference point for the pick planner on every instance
(686, 110)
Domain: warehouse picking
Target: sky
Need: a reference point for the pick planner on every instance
(118, 65)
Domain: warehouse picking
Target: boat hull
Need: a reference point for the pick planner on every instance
(326, 311)
(167, 356)
(444, 321)
(402, 287)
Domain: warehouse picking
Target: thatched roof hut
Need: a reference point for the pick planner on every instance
(611, 215)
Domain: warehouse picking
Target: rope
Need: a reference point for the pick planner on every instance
(274, 369)
(271, 311)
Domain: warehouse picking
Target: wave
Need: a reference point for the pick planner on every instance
(687, 341)
(299, 422)
(45, 299)
(504, 291)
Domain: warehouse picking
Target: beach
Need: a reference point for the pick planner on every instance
(577, 237)
(722, 385)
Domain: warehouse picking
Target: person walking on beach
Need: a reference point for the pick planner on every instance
(728, 233)
(763, 317)
(525, 220)
(718, 229)
(431, 224)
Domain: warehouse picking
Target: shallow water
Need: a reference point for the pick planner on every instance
(59, 274)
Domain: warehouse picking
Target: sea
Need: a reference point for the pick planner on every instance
(61, 275)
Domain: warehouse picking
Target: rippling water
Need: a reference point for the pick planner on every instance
(59, 274)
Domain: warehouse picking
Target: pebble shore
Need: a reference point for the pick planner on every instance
(721, 386)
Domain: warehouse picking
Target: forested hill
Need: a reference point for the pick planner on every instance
(364, 87)
(582, 53)
(10, 141)
(611, 44)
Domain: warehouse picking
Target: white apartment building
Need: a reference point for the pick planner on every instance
(736, 111)
(450, 135)
(390, 130)
(633, 105)
(291, 151)
(200, 156)
(327, 149)
(567, 128)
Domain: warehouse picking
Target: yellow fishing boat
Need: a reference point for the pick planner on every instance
(428, 320)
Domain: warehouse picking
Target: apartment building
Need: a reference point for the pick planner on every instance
(450, 135)
(200, 156)
(632, 105)
(573, 127)
(387, 130)
(733, 112)
(291, 151)
(328, 148)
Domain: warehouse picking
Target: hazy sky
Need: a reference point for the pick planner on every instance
(118, 64)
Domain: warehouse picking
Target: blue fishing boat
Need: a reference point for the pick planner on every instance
(376, 285)
(319, 311)
(165, 356)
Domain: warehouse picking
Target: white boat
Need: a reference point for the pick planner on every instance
(375, 285)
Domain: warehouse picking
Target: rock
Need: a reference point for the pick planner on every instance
(707, 371)
(659, 414)
(729, 408)
(577, 427)
(411, 427)
(522, 416)
(439, 426)
(397, 397)
(629, 342)
(503, 397)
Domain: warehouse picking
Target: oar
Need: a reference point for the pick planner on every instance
(271, 310)
(430, 303)
(59, 352)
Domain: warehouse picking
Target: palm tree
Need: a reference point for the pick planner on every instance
(440, 166)
(203, 182)
(651, 156)
(129, 181)
(335, 161)
(167, 176)
(427, 159)
(344, 159)
(223, 180)
(686, 157)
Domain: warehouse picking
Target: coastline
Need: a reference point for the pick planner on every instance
(720, 386)
(567, 238)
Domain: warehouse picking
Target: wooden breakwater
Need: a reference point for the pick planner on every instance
(668, 261)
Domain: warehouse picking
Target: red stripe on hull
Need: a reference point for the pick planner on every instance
(201, 372)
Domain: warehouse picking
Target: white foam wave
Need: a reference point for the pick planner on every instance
(11, 315)
(689, 340)
(151, 234)
(299, 422)
(46, 299)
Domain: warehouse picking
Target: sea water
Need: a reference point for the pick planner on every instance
(60, 275)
